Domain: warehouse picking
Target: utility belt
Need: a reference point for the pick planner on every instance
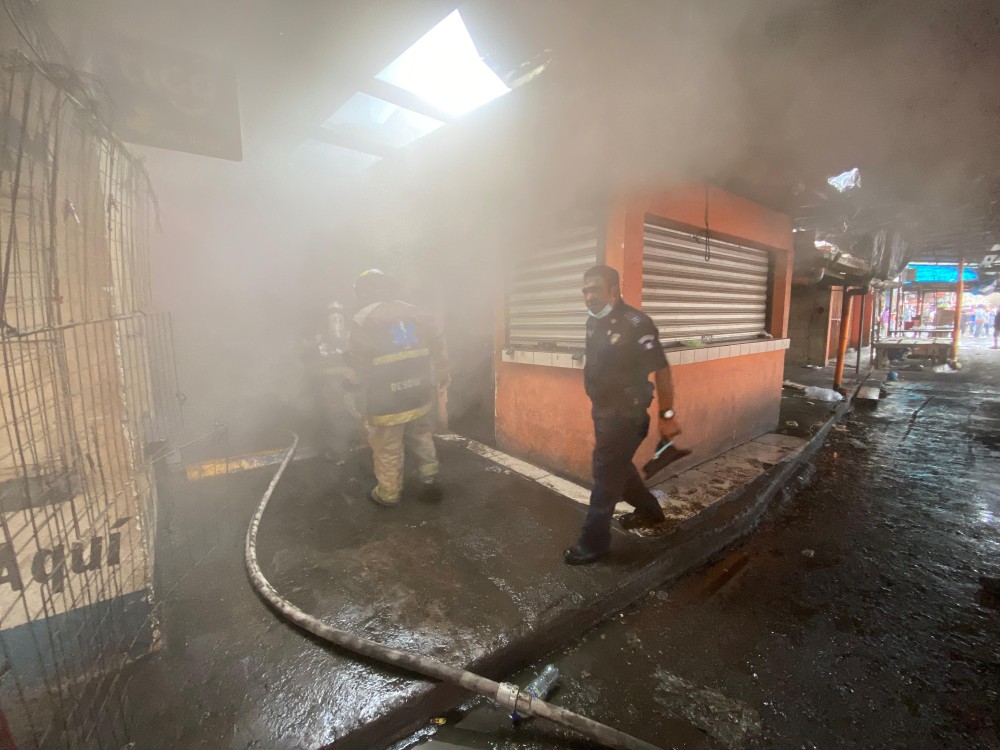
(631, 401)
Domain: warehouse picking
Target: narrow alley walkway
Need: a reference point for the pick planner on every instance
(855, 617)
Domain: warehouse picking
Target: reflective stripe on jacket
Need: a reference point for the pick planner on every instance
(391, 347)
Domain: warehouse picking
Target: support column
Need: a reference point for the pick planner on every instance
(845, 332)
(876, 332)
(861, 331)
(899, 309)
(956, 332)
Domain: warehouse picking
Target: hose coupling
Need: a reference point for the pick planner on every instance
(507, 695)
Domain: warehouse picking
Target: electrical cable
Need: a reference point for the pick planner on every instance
(708, 235)
(505, 694)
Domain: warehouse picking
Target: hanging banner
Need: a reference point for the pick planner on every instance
(989, 267)
(171, 98)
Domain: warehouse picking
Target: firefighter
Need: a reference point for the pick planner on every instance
(328, 376)
(400, 364)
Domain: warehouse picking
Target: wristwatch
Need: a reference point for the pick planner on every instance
(667, 414)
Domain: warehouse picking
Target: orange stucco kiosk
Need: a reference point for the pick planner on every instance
(728, 387)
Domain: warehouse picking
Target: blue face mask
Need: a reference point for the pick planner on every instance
(601, 313)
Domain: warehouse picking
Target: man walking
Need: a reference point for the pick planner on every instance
(399, 359)
(623, 348)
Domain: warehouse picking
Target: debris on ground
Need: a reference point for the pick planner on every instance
(793, 385)
(809, 553)
(857, 444)
(791, 423)
(497, 469)
(822, 394)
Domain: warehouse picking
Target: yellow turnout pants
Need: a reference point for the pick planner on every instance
(388, 443)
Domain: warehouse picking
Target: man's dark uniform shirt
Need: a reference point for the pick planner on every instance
(623, 348)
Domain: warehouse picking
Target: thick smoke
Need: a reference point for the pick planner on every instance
(767, 96)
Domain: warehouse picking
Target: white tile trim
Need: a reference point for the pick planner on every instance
(564, 487)
(675, 357)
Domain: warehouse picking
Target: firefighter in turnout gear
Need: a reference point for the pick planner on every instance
(400, 363)
(328, 376)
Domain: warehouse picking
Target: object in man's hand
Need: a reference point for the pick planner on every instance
(665, 455)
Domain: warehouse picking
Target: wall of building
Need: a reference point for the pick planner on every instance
(861, 326)
(809, 325)
(543, 415)
(725, 394)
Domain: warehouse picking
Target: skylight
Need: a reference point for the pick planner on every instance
(381, 121)
(444, 69)
(846, 180)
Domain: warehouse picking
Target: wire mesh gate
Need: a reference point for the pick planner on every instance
(88, 398)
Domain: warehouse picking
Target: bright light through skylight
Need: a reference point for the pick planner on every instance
(384, 122)
(845, 181)
(444, 69)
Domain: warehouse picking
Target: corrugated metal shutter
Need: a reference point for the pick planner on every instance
(691, 298)
(545, 306)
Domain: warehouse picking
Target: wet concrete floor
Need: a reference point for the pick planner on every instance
(854, 617)
(472, 579)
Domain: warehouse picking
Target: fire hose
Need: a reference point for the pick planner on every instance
(505, 694)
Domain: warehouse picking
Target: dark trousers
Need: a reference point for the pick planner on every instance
(615, 477)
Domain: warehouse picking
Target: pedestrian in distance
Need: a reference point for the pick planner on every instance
(996, 328)
(982, 321)
(623, 348)
(399, 364)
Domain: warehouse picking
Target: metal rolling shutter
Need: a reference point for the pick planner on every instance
(545, 306)
(691, 298)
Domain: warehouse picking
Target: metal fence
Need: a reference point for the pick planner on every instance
(88, 397)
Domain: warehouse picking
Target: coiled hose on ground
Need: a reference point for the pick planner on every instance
(505, 694)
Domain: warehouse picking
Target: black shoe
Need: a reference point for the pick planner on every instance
(636, 520)
(577, 555)
(431, 492)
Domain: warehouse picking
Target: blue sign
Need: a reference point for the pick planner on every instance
(927, 273)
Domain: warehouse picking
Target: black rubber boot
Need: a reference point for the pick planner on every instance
(577, 555)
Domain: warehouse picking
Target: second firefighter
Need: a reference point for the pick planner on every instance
(400, 362)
